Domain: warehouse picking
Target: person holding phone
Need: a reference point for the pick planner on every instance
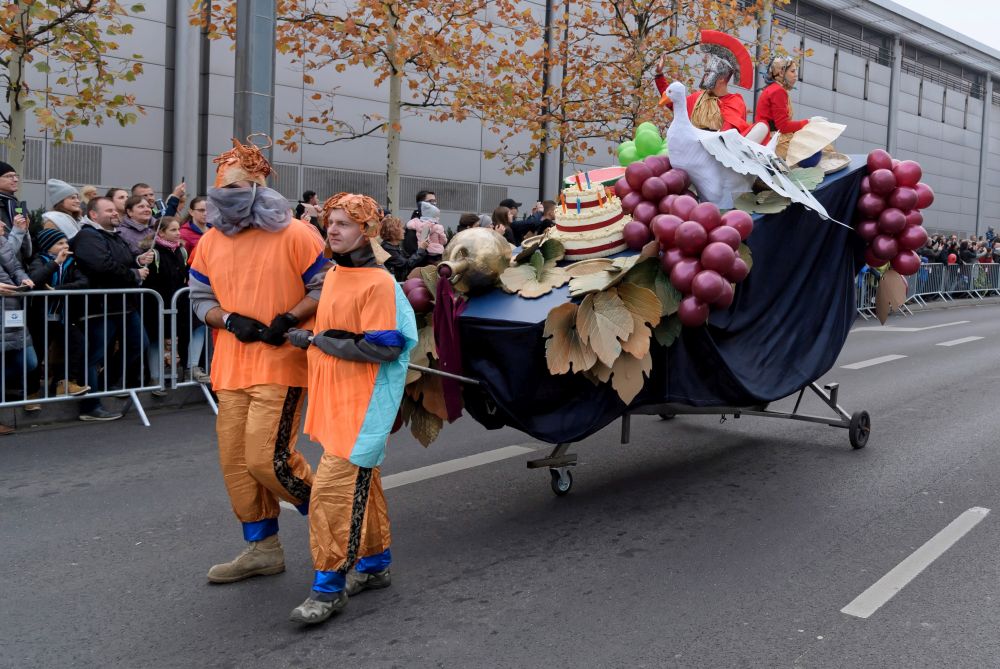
(14, 216)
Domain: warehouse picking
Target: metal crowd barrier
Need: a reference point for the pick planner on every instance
(87, 337)
(199, 344)
(933, 281)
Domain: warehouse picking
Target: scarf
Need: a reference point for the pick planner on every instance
(233, 210)
(362, 256)
(167, 243)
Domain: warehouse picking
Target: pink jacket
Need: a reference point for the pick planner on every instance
(436, 236)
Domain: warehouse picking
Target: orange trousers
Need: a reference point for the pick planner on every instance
(257, 429)
(348, 518)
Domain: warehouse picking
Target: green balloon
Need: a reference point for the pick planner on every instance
(647, 125)
(648, 144)
(663, 151)
(625, 145)
(627, 155)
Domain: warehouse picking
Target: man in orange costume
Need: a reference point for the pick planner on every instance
(358, 356)
(714, 107)
(258, 272)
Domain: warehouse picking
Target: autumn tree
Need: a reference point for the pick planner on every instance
(605, 53)
(71, 42)
(429, 54)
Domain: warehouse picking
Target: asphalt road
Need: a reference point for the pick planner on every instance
(698, 544)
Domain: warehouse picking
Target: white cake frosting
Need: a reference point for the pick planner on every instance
(592, 229)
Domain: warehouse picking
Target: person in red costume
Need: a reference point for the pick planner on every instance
(774, 106)
(713, 107)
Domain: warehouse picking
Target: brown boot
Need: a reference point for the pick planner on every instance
(261, 558)
(67, 387)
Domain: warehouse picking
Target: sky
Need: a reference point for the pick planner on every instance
(978, 19)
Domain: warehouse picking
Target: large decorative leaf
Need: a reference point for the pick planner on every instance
(584, 267)
(668, 331)
(612, 276)
(629, 374)
(767, 202)
(422, 352)
(533, 279)
(565, 351)
(425, 426)
(599, 373)
(552, 250)
(890, 295)
(637, 344)
(644, 273)
(807, 177)
(604, 322)
(670, 298)
(747, 255)
(642, 302)
(430, 276)
(427, 390)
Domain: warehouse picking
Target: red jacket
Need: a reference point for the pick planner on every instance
(774, 109)
(732, 106)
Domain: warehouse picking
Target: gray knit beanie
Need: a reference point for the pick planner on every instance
(58, 191)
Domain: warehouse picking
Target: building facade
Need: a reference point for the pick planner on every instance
(896, 79)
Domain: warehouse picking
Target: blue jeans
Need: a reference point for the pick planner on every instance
(128, 359)
(17, 363)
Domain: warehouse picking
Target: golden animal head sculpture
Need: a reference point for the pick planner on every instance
(474, 260)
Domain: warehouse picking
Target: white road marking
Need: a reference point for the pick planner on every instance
(896, 328)
(447, 467)
(456, 465)
(956, 342)
(869, 601)
(873, 361)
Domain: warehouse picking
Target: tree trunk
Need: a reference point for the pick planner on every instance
(393, 129)
(17, 113)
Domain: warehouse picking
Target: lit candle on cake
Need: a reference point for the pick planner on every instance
(562, 200)
(579, 186)
(578, 202)
(587, 175)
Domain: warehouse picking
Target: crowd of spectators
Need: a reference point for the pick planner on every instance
(951, 250)
(129, 238)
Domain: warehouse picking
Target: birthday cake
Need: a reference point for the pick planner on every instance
(590, 221)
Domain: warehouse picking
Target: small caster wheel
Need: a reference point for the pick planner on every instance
(562, 481)
(668, 416)
(860, 429)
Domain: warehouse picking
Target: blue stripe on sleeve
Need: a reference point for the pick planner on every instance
(385, 338)
(200, 277)
(314, 269)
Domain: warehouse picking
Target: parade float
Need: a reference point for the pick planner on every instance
(711, 278)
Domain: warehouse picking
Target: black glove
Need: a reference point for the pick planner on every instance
(247, 330)
(274, 334)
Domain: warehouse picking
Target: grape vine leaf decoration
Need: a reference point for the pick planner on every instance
(425, 426)
(551, 249)
(645, 308)
(612, 275)
(668, 331)
(429, 394)
(585, 267)
(422, 353)
(890, 295)
(430, 276)
(670, 297)
(807, 177)
(628, 375)
(604, 322)
(747, 255)
(534, 278)
(767, 202)
(565, 350)
(599, 373)
(644, 273)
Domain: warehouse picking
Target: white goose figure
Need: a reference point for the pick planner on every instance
(724, 164)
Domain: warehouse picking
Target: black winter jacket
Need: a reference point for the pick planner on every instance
(108, 262)
(399, 263)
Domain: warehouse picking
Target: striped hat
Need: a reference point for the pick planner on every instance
(47, 237)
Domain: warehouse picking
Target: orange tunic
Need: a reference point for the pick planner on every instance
(352, 404)
(258, 274)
